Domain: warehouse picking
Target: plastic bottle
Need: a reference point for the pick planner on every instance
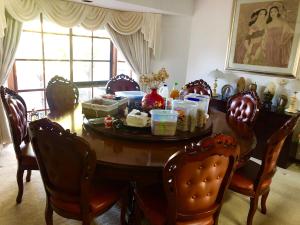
(175, 92)
(164, 91)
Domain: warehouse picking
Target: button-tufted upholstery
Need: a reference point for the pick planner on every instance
(67, 167)
(253, 179)
(62, 95)
(198, 86)
(121, 82)
(243, 108)
(16, 112)
(194, 182)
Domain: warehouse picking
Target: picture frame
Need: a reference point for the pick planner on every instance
(264, 37)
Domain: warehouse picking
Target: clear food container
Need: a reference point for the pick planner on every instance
(163, 122)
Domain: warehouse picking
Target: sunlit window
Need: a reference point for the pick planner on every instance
(87, 58)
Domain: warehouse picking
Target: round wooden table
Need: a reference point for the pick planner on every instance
(136, 160)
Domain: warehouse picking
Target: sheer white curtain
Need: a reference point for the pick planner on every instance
(134, 49)
(69, 14)
(8, 46)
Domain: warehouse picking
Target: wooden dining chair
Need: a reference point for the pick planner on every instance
(198, 86)
(61, 94)
(254, 180)
(67, 166)
(16, 112)
(194, 182)
(243, 107)
(121, 82)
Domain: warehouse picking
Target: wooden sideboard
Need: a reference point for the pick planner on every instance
(267, 123)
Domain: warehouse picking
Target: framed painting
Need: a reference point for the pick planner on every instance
(264, 37)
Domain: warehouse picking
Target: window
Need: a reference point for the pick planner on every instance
(87, 58)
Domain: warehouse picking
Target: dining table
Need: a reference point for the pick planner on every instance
(132, 155)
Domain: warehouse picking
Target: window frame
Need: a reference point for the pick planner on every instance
(13, 78)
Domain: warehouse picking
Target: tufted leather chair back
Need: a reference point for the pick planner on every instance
(243, 108)
(199, 86)
(62, 95)
(195, 180)
(66, 161)
(274, 146)
(121, 82)
(16, 112)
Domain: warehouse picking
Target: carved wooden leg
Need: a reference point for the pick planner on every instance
(263, 202)
(28, 176)
(252, 210)
(48, 213)
(20, 173)
(124, 206)
(86, 220)
(137, 220)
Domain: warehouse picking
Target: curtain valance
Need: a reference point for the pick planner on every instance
(69, 14)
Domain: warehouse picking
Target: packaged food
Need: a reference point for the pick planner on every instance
(184, 109)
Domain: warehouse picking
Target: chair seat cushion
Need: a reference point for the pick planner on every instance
(28, 156)
(244, 178)
(102, 196)
(152, 201)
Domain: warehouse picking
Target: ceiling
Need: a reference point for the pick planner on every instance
(155, 6)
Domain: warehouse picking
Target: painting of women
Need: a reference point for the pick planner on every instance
(278, 40)
(264, 36)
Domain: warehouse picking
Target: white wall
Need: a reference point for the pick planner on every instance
(210, 30)
(175, 48)
(209, 37)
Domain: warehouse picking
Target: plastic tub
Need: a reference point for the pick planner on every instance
(99, 108)
(163, 122)
(134, 98)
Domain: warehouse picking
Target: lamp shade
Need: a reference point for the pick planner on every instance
(216, 74)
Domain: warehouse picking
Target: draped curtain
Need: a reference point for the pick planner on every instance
(134, 49)
(8, 46)
(69, 14)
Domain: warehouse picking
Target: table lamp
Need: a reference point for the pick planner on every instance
(293, 98)
(216, 74)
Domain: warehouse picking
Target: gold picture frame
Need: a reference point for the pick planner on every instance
(264, 37)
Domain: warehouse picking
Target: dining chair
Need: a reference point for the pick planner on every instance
(194, 182)
(254, 179)
(198, 86)
(243, 107)
(121, 82)
(67, 166)
(16, 112)
(61, 94)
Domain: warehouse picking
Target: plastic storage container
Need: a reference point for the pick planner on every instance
(99, 108)
(186, 114)
(163, 122)
(134, 98)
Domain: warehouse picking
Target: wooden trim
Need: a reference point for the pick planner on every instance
(12, 79)
(114, 55)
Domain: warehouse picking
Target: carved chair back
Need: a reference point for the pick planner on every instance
(243, 107)
(195, 179)
(62, 95)
(121, 82)
(199, 86)
(66, 162)
(16, 111)
(274, 146)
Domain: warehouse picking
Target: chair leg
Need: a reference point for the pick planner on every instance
(20, 173)
(263, 202)
(86, 220)
(252, 210)
(48, 213)
(137, 220)
(28, 176)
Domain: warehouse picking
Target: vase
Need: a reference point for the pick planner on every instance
(153, 101)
